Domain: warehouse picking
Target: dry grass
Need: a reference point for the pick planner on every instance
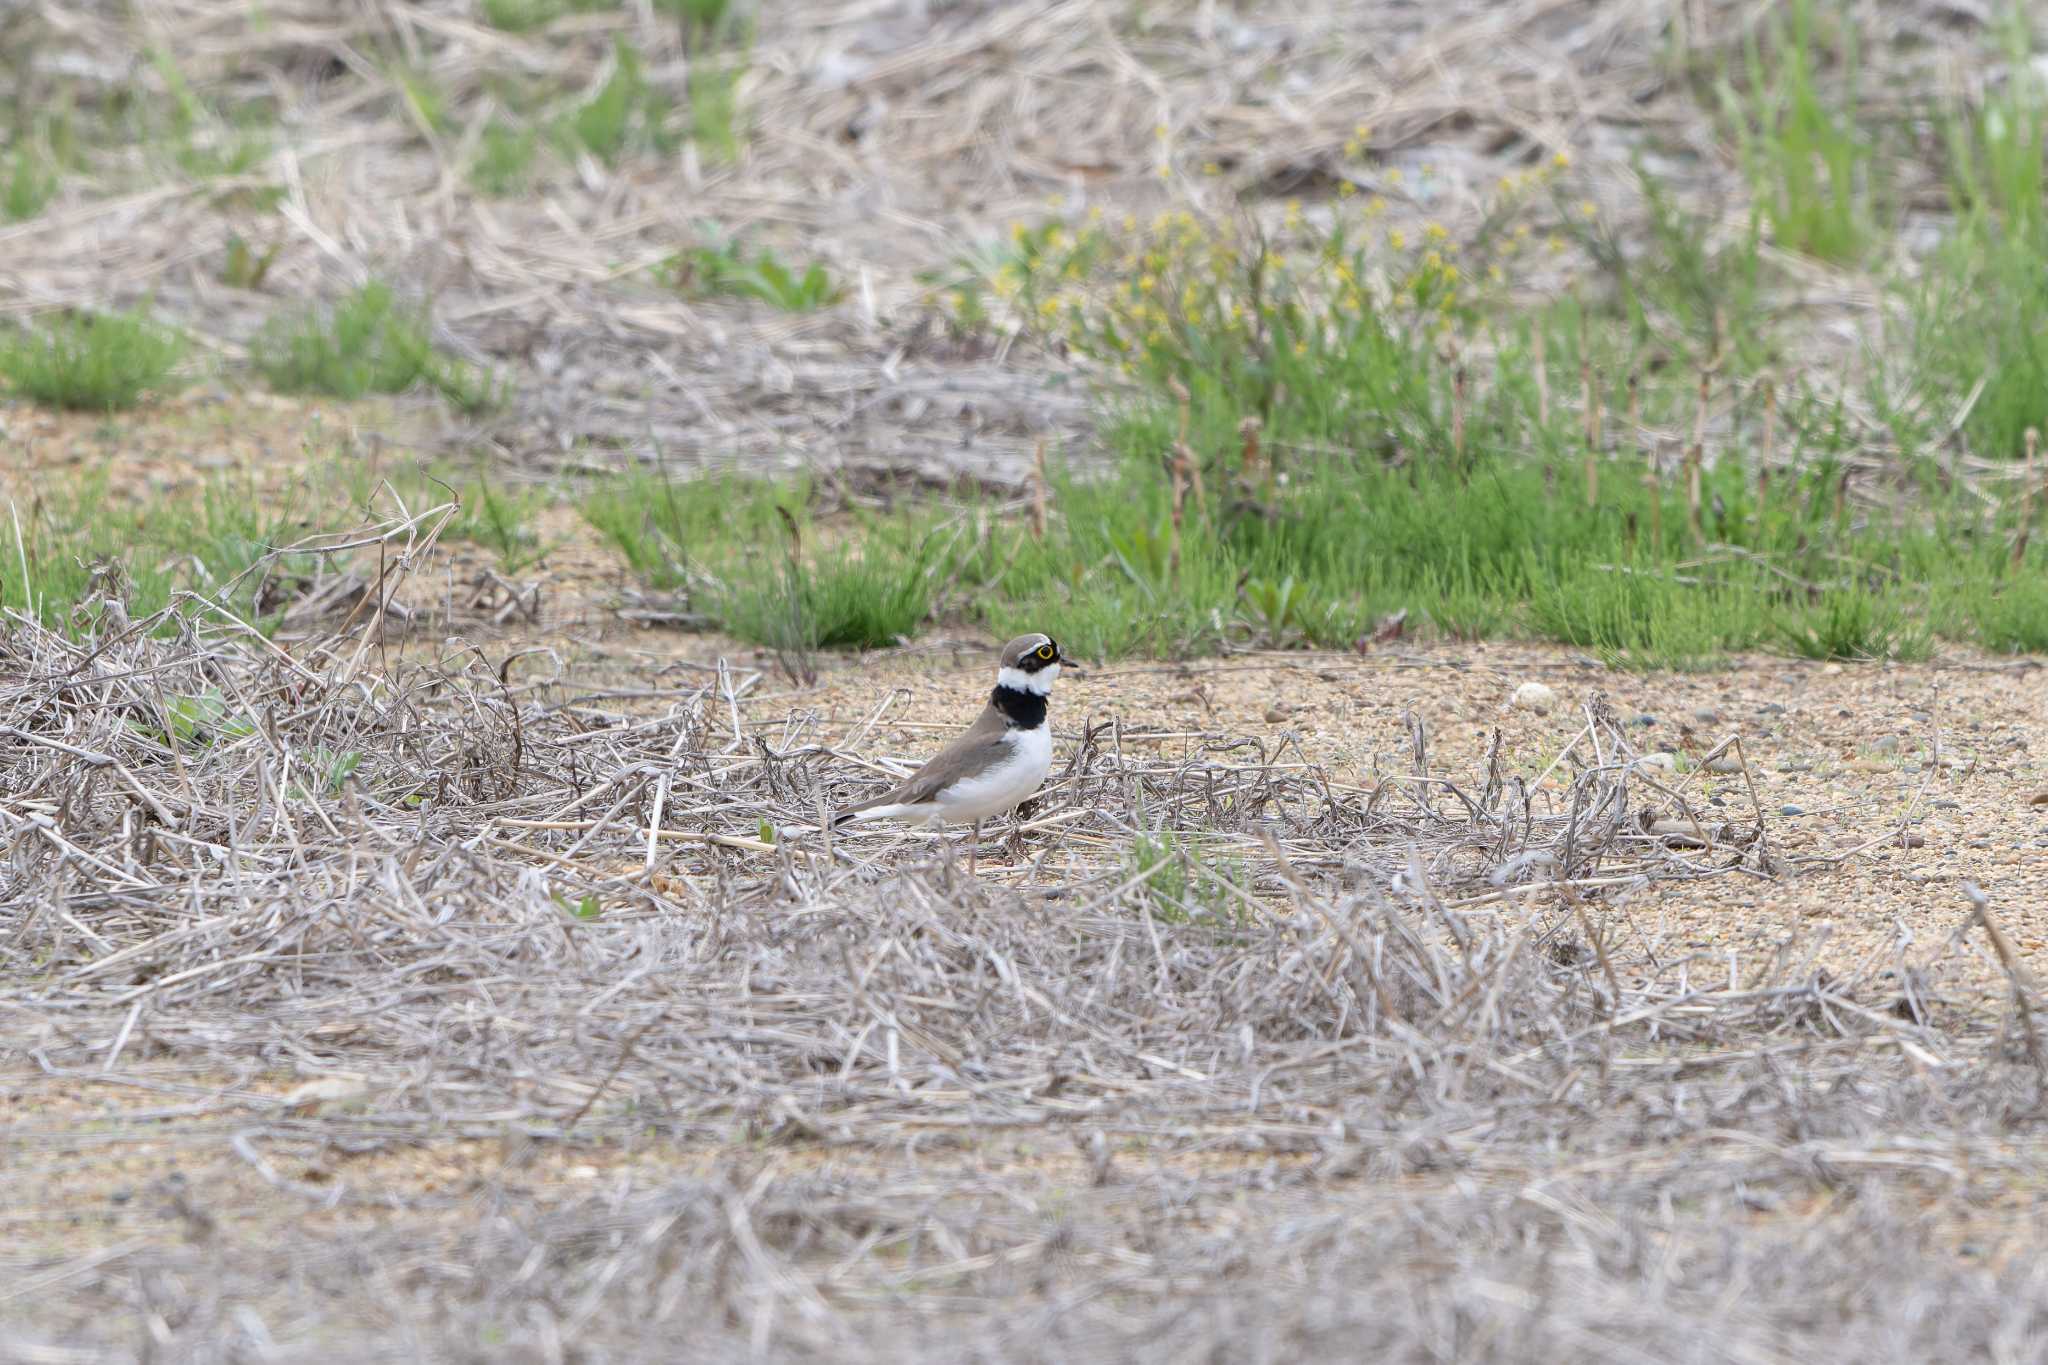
(1425, 1090)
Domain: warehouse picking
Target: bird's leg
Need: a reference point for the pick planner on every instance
(1016, 836)
(974, 848)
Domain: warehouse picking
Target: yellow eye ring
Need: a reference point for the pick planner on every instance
(1045, 651)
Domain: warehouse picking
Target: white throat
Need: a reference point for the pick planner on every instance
(1038, 684)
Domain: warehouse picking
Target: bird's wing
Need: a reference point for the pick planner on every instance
(978, 749)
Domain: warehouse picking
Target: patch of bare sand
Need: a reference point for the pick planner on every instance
(1926, 775)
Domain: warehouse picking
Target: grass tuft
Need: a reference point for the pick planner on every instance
(367, 343)
(93, 363)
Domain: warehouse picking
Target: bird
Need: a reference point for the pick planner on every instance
(997, 762)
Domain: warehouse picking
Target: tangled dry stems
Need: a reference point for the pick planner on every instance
(1431, 1089)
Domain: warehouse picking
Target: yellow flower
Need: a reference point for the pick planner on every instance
(1556, 242)
(1393, 175)
(1018, 232)
(1160, 222)
(1375, 206)
(1055, 237)
(1562, 161)
(1161, 131)
(1521, 231)
(1588, 208)
(1130, 223)
(1345, 189)
(1427, 169)
(1506, 185)
(1166, 172)
(1433, 261)
(1435, 232)
(1211, 168)
(1301, 348)
(1049, 307)
(1363, 132)
(1056, 201)
(1398, 240)
(1495, 273)
(1095, 213)
(1353, 149)
(1147, 283)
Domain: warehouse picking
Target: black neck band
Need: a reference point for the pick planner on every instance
(1023, 710)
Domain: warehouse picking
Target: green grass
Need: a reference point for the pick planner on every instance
(1978, 302)
(94, 362)
(368, 343)
(504, 162)
(522, 16)
(1185, 882)
(28, 187)
(1348, 470)
(1812, 168)
(76, 546)
(502, 520)
(744, 553)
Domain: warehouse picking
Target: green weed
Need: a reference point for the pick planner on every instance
(723, 268)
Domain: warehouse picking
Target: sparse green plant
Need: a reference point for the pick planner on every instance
(521, 16)
(624, 110)
(365, 344)
(1184, 883)
(29, 186)
(97, 362)
(505, 158)
(501, 519)
(243, 267)
(723, 268)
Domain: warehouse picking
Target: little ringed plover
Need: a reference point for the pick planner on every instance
(1001, 759)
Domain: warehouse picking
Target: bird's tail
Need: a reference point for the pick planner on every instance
(855, 812)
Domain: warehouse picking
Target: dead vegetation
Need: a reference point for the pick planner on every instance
(1417, 1082)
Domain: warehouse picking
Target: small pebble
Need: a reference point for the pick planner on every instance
(1885, 744)
(1726, 763)
(1535, 696)
(1662, 762)
(1275, 714)
(1707, 715)
(1789, 809)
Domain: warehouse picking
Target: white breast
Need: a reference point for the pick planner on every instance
(1003, 784)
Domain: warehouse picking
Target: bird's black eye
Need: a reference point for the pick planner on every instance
(1046, 652)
